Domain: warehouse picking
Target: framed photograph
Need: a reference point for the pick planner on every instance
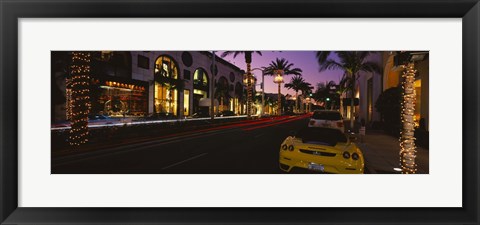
(200, 112)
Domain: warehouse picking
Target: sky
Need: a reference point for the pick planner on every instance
(304, 60)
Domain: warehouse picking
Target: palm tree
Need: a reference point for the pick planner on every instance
(286, 67)
(248, 61)
(352, 63)
(327, 92)
(296, 84)
(306, 89)
(80, 101)
(221, 93)
(344, 85)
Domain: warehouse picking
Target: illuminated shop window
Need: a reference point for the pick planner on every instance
(166, 91)
(166, 67)
(200, 77)
(166, 100)
(186, 102)
(119, 99)
(418, 102)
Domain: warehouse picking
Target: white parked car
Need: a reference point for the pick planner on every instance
(327, 118)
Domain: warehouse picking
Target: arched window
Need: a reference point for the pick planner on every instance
(222, 92)
(200, 77)
(167, 86)
(200, 87)
(166, 67)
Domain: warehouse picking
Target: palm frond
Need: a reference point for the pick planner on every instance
(227, 53)
(282, 64)
(322, 56)
(371, 67)
(331, 64)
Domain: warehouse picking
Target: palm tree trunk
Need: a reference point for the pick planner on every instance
(341, 106)
(80, 98)
(279, 100)
(352, 105)
(170, 101)
(407, 140)
(296, 101)
(249, 91)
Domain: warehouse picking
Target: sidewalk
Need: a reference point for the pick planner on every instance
(381, 154)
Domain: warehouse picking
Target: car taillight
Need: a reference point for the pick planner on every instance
(290, 148)
(346, 155)
(355, 156)
(340, 124)
(312, 122)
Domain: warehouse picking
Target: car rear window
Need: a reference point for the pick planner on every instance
(319, 115)
(326, 136)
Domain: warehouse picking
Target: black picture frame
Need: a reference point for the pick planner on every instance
(12, 10)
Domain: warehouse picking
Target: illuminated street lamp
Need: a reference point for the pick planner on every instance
(279, 80)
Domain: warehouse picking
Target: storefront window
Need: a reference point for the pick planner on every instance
(200, 78)
(166, 67)
(119, 99)
(186, 102)
(166, 93)
(165, 99)
(418, 102)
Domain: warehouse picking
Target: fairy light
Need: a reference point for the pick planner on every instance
(68, 96)
(79, 106)
(407, 137)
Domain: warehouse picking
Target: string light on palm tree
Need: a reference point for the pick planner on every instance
(79, 98)
(407, 135)
(249, 81)
(249, 86)
(407, 138)
(279, 80)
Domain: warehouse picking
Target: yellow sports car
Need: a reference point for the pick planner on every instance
(320, 150)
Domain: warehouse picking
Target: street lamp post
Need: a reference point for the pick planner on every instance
(279, 80)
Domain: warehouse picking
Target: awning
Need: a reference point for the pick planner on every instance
(205, 102)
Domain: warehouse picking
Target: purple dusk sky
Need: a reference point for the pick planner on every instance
(304, 60)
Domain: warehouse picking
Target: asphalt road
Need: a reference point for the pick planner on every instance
(243, 148)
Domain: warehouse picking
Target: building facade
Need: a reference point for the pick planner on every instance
(370, 85)
(142, 83)
(392, 77)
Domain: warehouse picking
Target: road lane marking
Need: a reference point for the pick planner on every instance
(186, 160)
